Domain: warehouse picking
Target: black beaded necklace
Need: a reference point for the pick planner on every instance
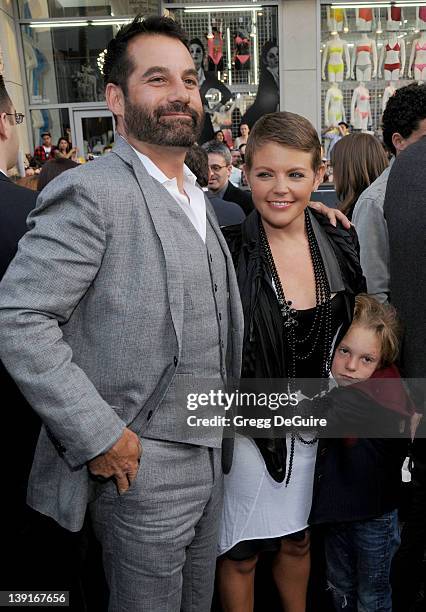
(318, 336)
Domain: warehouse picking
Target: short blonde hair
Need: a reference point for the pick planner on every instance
(383, 320)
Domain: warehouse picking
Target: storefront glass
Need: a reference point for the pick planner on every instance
(61, 64)
(53, 120)
(34, 9)
(367, 53)
(236, 53)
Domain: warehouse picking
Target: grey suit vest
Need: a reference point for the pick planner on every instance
(204, 335)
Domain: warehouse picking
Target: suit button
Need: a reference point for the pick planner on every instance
(319, 477)
(323, 452)
(211, 258)
(175, 361)
(149, 415)
(215, 287)
(220, 316)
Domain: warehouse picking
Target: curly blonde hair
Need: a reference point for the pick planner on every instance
(383, 320)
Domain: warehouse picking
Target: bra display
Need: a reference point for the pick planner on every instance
(337, 14)
(396, 13)
(366, 48)
(395, 48)
(366, 14)
(242, 52)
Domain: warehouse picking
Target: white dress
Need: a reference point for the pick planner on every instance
(255, 505)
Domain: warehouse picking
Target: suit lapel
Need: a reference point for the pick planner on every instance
(154, 196)
(3, 177)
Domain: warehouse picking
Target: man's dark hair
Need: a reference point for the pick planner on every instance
(46, 134)
(118, 66)
(344, 123)
(5, 101)
(197, 161)
(403, 112)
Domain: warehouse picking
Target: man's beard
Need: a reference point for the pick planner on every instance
(148, 127)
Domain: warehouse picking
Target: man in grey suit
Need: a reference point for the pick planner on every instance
(122, 291)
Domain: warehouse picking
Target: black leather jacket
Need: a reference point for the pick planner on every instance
(340, 252)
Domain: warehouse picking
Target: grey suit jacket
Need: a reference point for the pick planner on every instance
(82, 311)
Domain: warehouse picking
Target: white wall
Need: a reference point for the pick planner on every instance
(12, 71)
(299, 64)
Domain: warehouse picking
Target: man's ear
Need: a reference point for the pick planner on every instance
(4, 126)
(398, 141)
(115, 99)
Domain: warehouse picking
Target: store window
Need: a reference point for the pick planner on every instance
(236, 53)
(34, 9)
(366, 54)
(62, 64)
(56, 121)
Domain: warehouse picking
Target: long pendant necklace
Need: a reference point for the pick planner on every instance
(318, 337)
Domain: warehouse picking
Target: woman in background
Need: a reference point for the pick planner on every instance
(64, 149)
(357, 160)
(244, 131)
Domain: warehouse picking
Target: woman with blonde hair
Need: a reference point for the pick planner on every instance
(357, 160)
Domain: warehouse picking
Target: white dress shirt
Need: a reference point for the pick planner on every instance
(193, 203)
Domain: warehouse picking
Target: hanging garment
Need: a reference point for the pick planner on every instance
(242, 52)
(396, 13)
(337, 14)
(366, 14)
(215, 52)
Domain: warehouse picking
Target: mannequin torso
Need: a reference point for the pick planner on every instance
(360, 108)
(418, 58)
(334, 109)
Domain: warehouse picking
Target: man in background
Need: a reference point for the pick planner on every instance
(46, 150)
(404, 209)
(404, 122)
(15, 204)
(227, 213)
(220, 186)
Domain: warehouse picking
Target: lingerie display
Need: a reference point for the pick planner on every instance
(378, 59)
(396, 13)
(242, 51)
(418, 58)
(394, 65)
(215, 51)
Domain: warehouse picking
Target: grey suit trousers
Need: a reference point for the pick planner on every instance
(159, 538)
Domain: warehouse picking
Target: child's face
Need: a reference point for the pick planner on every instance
(357, 356)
